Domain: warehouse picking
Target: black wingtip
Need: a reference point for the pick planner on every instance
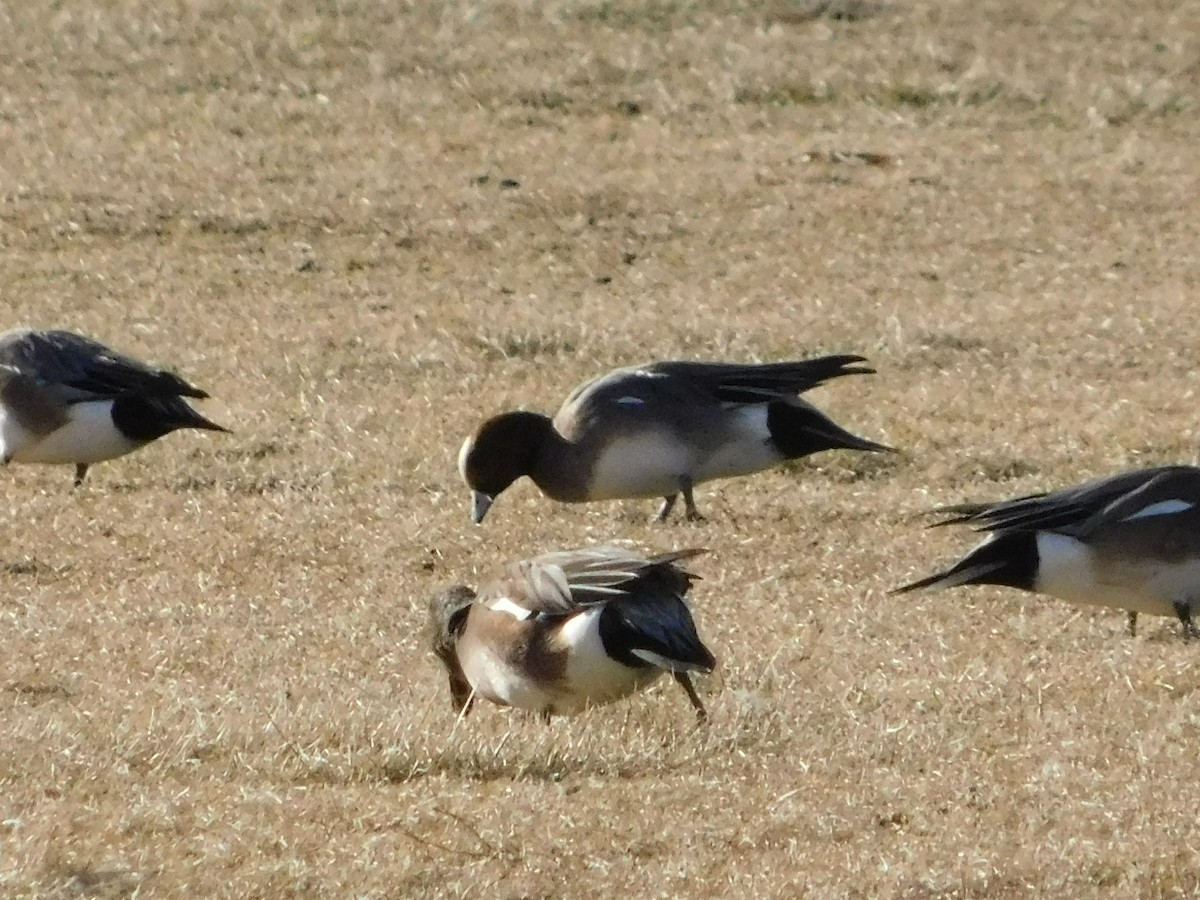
(874, 447)
(704, 661)
(845, 364)
(953, 520)
(954, 514)
(173, 384)
(674, 556)
(842, 359)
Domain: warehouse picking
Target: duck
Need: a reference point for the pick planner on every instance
(658, 430)
(569, 630)
(1129, 541)
(65, 398)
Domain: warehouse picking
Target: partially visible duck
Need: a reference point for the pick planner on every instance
(65, 398)
(1130, 541)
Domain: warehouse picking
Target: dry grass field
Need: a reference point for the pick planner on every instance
(363, 226)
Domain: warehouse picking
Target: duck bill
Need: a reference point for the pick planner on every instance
(480, 504)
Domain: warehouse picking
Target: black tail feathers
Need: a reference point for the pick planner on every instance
(145, 418)
(1008, 558)
(798, 429)
(659, 632)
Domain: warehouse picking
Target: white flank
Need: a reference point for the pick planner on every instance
(1069, 570)
(1168, 583)
(592, 676)
(89, 436)
(652, 462)
(1065, 568)
(642, 464)
(745, 445)
(1162, 508)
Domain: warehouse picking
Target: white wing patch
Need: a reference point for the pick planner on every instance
(657, 659)
(1162, 508)
(630, 401)
(504, 605)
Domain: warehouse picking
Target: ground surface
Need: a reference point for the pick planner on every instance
(363, 226)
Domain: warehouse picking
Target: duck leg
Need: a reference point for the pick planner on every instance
(690, 513)
(80, 471)
(665, 510)
(690, 690)
(1184, 611)
(689, 504)
(1132, 623)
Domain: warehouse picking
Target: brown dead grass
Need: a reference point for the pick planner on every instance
(362, 226)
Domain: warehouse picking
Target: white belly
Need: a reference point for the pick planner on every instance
(653, 462)
(89, 436)
(492, 677)
(13, 435)
(647, 464)
(1067, 570)
(745, 446)
(593, 677)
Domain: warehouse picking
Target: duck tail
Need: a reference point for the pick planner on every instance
(184, 416)
(658, 632)
(1009, 558)
(799, 429)
(146, 418)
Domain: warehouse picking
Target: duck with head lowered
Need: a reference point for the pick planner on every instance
(658, 430)
(568, 630)
(65, 398)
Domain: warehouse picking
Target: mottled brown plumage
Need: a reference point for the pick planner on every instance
(568, 630)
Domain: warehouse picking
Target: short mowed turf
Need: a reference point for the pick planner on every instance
(364, 226)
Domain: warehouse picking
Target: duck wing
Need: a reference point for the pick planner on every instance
(561, 583)
(1057, 510)
(686, 393)
(79, 368)
(761, 382)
